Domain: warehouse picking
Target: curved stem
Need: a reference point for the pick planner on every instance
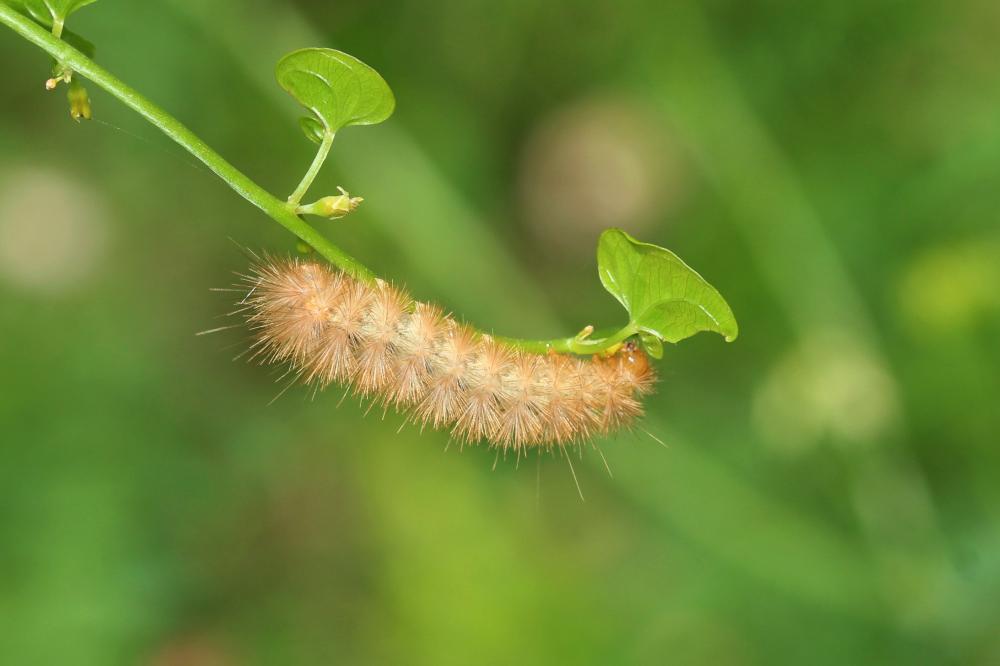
(272, 206)
(187, 139)
(317, 163)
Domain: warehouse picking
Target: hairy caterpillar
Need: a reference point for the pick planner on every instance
(328, 327)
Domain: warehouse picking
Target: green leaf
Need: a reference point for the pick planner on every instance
(47, 12)
(338, 89)
(665, 297)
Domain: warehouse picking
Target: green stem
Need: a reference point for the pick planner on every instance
(248, 189)
(272, 206)
(575, 345)
(317, 163)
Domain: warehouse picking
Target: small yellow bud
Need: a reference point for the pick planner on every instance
(332, 207)
(60, 74)
(79, 101)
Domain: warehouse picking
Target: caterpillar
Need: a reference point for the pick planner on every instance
(327, 327)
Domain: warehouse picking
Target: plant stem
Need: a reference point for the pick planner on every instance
(272, 206)
(317, 163)
(173, 128)
(574, 345)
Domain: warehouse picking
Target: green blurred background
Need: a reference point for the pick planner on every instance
(830, 490)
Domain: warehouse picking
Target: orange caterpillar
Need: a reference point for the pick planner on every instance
(328, 327)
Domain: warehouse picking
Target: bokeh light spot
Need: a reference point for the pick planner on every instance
(53, 230)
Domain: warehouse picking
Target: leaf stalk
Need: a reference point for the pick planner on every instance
(324, 150)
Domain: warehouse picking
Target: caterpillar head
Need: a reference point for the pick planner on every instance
(635, 367)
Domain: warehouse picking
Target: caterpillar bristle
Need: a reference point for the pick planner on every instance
(327, 327)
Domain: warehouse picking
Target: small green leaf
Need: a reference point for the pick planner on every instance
(338, 89)
(312, 129)
(48, 12)
(665, 297)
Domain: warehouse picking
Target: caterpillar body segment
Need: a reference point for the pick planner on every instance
(330, 328)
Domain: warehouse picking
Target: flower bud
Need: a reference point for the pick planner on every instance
(79, 101)
(332, 207)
